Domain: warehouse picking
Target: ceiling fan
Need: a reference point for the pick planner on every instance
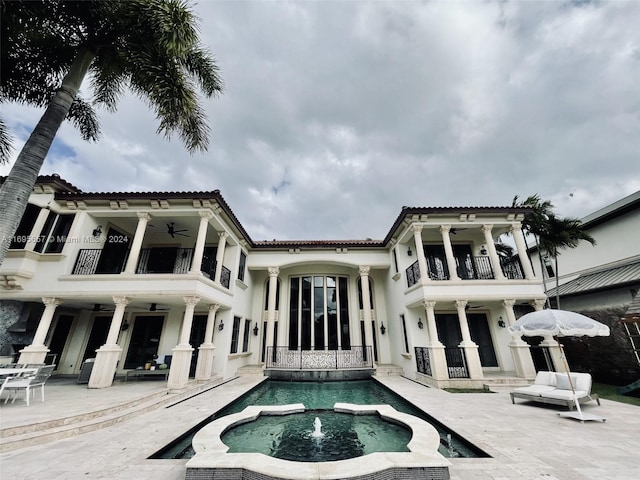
(455, 230)
(97, 307)
(171, 230)
(154, 307)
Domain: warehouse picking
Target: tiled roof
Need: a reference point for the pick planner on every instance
(612, 277)
(318, 243)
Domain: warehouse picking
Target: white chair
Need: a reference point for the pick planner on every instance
(28, 384)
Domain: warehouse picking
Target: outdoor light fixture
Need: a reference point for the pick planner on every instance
(255, 329)
(97, 231)
(483, 250)
(221, 326)
(409, 252)
(382, 328)
(501, 323)
(125, 326)
(420, 324)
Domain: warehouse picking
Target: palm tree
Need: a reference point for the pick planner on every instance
(562, 233)
(48, 47)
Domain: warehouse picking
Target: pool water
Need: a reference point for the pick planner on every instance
(320, 397)
(343, 436)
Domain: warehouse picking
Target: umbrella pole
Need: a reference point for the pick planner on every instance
(566, 368)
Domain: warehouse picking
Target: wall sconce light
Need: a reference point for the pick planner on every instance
(420, 324)
(409, 252)
(483, 250)
(124, 326)
(97, 231)
(255, 329)
(501, 323)
(382, 328)
(221, 326)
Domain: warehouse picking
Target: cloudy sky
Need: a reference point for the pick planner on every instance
(337, 113)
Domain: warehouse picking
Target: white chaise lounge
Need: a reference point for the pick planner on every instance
(554, 388)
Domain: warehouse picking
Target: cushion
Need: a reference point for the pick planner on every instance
(545, 378)
(534, 390)
(564, 394)
(562, 381)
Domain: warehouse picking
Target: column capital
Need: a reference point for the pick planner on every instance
(538, 304)
(144, 216)
(516, 227)
(121, 300)
(461, 303)
(364, 270)
(445, 228)
(214, 307)
(205, 214)
(509, 303)
(274, 271)
(51, 301)
(191, 301)
(429, 304)
(487, 228)
(223, 235)
(417, 228)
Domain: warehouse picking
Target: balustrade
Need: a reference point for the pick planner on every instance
(285, 358)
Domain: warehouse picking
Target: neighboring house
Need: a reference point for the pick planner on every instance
(605, 275)
(126, 277)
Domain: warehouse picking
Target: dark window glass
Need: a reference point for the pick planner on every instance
(25, 227)
(306, 313)
(242, 265)
(404, 334)
(245, 337)
(294, 299)
(344, 313)
(60, 233)
(235, 334)
(395, 260)
(318, 313)
(145, 339)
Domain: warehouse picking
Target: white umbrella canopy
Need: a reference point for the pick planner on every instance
(558, 323)
(561, 323)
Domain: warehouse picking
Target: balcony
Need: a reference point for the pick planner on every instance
(468, 268)
(172, 260)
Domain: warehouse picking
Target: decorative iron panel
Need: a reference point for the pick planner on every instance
(87, 261)
(423, 360)
(296, 359)
(456, 362)
(413, 274)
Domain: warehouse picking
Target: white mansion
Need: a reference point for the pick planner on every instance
(134, 278)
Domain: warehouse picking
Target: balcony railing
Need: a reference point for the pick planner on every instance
(456, 362)
(512, 268)
(475, 268)
(423, 361)
(284, 358)
(152, 260)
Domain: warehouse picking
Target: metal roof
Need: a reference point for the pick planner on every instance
(611, 277)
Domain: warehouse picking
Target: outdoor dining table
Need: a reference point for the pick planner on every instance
(9, 372)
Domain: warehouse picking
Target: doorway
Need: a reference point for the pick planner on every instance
(59, 337)
(196, 338)
(98, 335)
(114, 253)
(144, 342)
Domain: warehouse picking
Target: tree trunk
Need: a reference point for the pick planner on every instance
(15, 192)
(542, 270)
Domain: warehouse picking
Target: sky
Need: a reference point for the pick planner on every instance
(336, 114)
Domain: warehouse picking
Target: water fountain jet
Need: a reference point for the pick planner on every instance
(317, 425)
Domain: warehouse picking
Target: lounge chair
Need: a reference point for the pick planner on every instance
(26, 383)
(554, 388)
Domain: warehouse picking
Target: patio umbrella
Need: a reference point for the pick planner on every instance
(561, 323)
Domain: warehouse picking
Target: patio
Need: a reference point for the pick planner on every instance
(525, 441)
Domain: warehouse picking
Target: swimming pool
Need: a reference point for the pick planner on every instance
(320, 397)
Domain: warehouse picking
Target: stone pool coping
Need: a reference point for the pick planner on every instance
(211, 456)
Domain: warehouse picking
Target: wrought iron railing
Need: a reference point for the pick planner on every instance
(165, 260)
(87, 261)
(475, 268)
(456, 362)
(225, 277)
(512, 268)
(423, 361)
(413, 274)
(285, 358)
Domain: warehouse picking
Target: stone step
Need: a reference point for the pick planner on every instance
(388, 369)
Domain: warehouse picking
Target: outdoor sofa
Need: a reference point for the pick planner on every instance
(554, 388)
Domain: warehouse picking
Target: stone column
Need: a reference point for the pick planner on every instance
(366, 307)
(448, 251)
(520, 350)
(470, 348)
(136, 244)
(436, 348)
(206, 351)
(220, 254)
(107, 356)
(271, 341)
(493, 254)
(37, 351)
(422, 260)
(198, 251)
(521, 247)
(181, 360)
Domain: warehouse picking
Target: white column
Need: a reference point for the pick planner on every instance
(136, 244)
(198, 251)
(206, 351)
(429, 307)
(422, 260)
(37, 228)
(220, 254)
(470, 348)
(108, 355)
(493, 254)
(521, 247)
(271, 308)
(366, 306)
(37, 351)
(519, 349)
(181, 360)
(436, 348)
(448, 251)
